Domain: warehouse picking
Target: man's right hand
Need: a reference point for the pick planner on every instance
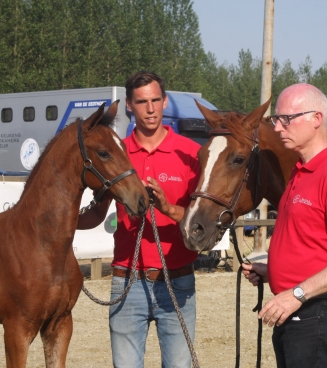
(252, 272)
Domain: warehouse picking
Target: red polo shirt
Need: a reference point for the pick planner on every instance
(175, 166)
(298, 247)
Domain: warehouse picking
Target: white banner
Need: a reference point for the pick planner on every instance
(93, 243)
(97, 242)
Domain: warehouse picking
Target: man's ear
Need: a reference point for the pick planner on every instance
(318, 119)
(165, 102)
(128, 104)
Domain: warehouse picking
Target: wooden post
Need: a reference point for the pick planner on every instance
(96, 268)
(239, 235)
(266, 90)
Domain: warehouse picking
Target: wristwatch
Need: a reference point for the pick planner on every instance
(299, 294)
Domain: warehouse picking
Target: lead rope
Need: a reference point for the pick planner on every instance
(133, 274)
(169, 287)
(258, 307)
(132, 277)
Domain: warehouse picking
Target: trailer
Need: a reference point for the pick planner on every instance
(30, 120)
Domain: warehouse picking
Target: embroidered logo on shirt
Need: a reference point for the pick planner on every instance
(164, 177)
(298, 199)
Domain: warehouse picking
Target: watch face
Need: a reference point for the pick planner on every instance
(298, 292)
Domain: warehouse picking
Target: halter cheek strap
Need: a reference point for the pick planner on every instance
(232, 204)
(89, 166)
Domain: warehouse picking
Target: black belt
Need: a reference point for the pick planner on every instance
(153, 274)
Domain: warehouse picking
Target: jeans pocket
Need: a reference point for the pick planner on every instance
(118, 284)
(184, 283)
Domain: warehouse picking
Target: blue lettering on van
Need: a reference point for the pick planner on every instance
(78, 105)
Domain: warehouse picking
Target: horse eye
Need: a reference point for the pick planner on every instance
(103, 154)
(238, 161)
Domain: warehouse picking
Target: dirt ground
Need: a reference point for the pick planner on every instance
(215, 329)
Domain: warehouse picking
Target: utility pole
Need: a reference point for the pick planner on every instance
(260, 237)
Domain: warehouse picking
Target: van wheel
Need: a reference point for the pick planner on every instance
(270, 229)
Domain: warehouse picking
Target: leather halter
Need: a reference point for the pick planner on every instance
(89, 166)
(220, 201)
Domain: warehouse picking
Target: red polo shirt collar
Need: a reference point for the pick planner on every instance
(314, 163)
(165, 146)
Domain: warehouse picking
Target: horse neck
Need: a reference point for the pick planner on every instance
(54, 185)
(277, 163)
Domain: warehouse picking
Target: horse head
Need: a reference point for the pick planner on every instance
(241, 164)
(106, 164)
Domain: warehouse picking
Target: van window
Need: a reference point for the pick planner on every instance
(29, 114)
(51, 113)
(6, 115)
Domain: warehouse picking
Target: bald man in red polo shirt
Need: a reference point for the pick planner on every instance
(297, 257)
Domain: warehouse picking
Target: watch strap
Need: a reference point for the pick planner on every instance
(300, 297)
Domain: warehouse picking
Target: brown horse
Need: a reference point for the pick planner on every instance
(243, 162)
(40, 279)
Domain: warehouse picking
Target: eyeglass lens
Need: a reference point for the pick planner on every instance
(282, 118)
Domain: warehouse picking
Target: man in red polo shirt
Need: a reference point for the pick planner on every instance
(167, 163)
(297, 258)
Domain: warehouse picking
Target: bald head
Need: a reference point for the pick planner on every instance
(302, 97)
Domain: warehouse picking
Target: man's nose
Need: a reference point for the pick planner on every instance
(150, 106)
(278, 126)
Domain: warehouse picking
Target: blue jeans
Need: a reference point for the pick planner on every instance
(148, 301)
(301, 341)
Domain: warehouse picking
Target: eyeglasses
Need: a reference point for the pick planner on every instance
(286, 119)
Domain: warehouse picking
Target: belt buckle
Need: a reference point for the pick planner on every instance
(146, 274)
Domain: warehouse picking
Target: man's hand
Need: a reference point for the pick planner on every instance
(279, 308)
(252, 272)
(173, 211)
(160, 200)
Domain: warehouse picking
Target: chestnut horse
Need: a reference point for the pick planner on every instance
(243, 162)
(40, 279)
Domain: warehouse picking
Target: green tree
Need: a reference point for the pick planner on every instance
(246, 83)
(282, 77)
(13, 45)
(304, 73)
(319, 79)
(217, 85)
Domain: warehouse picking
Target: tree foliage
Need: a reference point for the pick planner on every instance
(63, 44)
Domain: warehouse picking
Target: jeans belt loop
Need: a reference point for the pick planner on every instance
(146, 274)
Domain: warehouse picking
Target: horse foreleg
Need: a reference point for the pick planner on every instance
(56, 337)
(17, 337)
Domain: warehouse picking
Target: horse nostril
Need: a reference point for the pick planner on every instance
(197, 232)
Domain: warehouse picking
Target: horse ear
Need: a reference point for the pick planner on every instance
(96, 117)
(113, 108)
(255, 117)
(211, 117)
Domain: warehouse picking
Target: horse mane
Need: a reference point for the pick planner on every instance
(232, 122)
(106, 120)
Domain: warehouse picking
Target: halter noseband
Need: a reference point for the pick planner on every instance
(89, 166)
(218, 200)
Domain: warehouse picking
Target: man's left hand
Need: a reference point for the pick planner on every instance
(279, 308)
(160, 200)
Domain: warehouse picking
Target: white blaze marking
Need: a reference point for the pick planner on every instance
(117, 140)
(217, 145)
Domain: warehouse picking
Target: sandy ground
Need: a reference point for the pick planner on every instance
(215, 330)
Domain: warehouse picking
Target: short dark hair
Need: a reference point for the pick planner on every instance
(143, 78)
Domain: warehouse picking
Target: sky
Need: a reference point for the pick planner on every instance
(300, 29)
